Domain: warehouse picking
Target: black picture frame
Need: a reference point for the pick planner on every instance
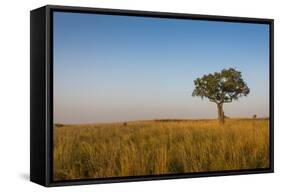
(41, 93)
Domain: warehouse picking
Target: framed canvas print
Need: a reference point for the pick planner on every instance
(122, 95)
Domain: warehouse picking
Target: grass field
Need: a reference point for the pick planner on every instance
(159, 147)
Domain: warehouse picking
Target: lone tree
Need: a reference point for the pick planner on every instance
(221, 87)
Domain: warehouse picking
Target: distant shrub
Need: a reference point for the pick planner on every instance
(59, 125)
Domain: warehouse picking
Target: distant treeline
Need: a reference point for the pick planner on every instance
(185, 120)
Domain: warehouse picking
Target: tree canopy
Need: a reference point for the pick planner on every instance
(221, 87)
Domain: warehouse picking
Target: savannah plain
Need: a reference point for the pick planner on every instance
(158, 147)
(141, 73)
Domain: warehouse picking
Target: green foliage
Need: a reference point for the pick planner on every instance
(221, 87)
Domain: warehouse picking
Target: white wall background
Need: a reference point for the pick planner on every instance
(14, 94)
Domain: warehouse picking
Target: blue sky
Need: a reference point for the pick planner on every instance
(120, 68)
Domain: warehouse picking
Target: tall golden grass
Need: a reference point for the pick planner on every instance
(159, 147)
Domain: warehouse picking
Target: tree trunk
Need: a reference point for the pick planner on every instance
(220, 113)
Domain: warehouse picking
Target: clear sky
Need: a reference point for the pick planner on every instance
(120, 68)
